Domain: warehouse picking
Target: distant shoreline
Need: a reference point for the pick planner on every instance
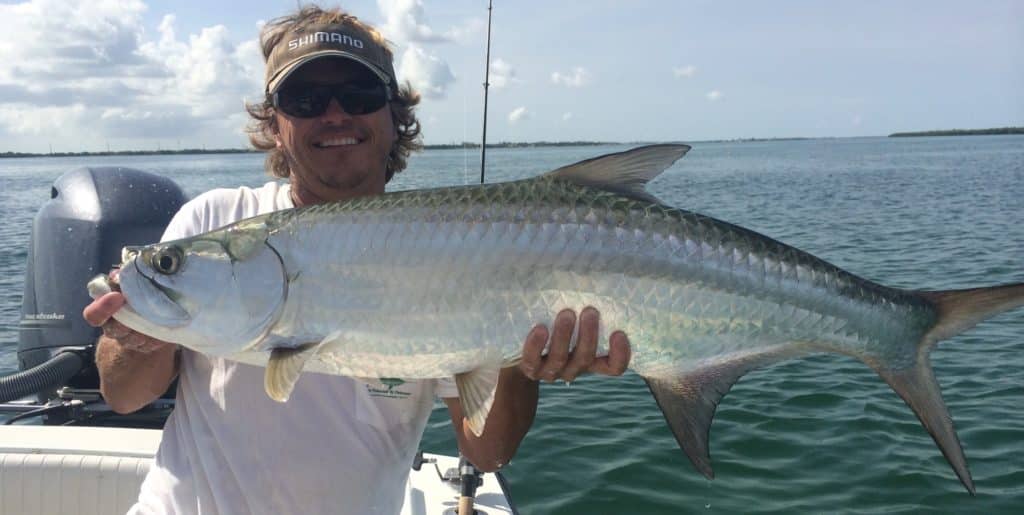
(442, 146)
(509, 144)
(960, 132)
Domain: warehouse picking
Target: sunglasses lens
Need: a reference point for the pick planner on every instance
(363, 101)
(303, 100)
(310, 101)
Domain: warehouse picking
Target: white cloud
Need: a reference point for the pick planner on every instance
(684, 72)
(428, 73)
(566, 117)
(54, 39)
(249, 58)
(856, 120)
(502, 74)
(49, 120)
(469, 33)
(98, 72)
(404, 22)
(168, 122)
(518, 114)
(210, 74)
(714, 95)
(578, 77)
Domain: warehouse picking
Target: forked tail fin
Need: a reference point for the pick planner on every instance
(689, 400)
(958, 311)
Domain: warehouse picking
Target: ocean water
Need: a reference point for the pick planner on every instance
(819, 435)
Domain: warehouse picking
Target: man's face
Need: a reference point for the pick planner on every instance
(336, 155)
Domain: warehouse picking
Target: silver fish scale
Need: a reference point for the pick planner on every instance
(416, 281)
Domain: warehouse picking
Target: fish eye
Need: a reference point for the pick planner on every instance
(167, 260)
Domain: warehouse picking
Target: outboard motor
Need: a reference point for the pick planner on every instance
(92, 213)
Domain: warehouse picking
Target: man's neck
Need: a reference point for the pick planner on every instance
(302, 196)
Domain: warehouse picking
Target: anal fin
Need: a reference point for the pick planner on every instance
(688, 404)
(689, 400)
(476, 394)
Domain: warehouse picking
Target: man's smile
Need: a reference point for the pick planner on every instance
(336, 142)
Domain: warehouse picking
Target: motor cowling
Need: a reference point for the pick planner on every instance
(92, 213)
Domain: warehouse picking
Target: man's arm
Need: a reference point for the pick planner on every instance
(515, 400)
(134, 368)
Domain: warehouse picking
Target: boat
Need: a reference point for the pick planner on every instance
(51, 470)
(62, 449)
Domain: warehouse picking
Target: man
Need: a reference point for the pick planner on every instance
(336, 125)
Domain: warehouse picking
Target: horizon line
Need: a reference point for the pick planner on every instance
(541, 143)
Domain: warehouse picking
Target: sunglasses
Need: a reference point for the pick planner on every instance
(303, 100)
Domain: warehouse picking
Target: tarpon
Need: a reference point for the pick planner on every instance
(446, 282)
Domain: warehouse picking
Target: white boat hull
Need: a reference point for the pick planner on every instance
(51, 470)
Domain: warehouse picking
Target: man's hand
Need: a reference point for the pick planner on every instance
(515, 400)
(100, 312)
(560, 363)
(135, 369)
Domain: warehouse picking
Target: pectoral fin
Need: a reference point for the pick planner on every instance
(476, 394)
(284, 368)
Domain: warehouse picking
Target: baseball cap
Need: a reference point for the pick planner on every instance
(301, 46)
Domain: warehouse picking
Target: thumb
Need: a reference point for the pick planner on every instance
(100, 310)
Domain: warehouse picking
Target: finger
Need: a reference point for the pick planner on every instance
(532, 349)
(558, 348)
(617, 360)
(559, 345)
(586, 344)
(100, 310)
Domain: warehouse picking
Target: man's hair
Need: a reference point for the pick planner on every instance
(262, 127)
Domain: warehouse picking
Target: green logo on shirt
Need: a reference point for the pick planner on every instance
(390, 389)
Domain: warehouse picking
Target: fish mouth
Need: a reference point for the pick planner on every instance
(148, 297)
(103, 284)
(128, 314)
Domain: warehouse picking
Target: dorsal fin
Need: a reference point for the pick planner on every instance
(625, 173)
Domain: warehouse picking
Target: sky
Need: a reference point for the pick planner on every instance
(93, 75)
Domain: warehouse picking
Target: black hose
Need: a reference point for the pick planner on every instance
(36, 413)
(45, 376)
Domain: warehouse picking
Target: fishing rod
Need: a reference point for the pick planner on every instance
(487, 84)
(469, 475)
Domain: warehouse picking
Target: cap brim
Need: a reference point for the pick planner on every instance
(284, 73)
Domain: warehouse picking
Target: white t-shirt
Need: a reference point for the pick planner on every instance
(339, 445)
